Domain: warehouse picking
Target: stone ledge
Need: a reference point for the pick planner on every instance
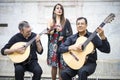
(14, 1)
(46, 78)
(106, 69)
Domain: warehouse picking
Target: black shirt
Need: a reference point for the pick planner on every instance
(19, 38)
(102, 45)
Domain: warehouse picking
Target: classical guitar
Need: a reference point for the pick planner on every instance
(18, 58)
(76, 59)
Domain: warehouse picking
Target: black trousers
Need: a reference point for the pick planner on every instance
(32, 66)
(83, 72)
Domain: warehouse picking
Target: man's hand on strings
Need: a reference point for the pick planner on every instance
(75, 47)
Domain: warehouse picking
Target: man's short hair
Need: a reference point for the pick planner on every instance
(23, 24)
(82, 18)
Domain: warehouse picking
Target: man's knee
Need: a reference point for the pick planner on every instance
(65, 76)
(38, 70)
(19, 69)
(62, 74)
(82, 74)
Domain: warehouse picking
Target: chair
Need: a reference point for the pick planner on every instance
(74, 78)
(29, 74)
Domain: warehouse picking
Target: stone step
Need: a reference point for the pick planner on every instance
(106, 69)
(44, 78)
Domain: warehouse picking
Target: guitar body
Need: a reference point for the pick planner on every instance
(16, 57)
(81, 56)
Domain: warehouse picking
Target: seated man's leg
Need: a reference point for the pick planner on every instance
(86, 70)
(36, 70)
(19, 72)
(68, 73)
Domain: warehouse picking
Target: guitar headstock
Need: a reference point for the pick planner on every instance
(109, 18)
(45, 31)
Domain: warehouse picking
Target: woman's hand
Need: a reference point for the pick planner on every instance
(61, 38)
(58, 28)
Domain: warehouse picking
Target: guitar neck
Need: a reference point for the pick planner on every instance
(91, 36)
(32, 40)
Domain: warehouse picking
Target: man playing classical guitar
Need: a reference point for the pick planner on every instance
(31, 63)
(89, 66)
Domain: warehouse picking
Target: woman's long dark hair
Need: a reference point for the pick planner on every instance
(62, 18)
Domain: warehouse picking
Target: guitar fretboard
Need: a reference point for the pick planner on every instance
(91, 37)
(33, 39)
